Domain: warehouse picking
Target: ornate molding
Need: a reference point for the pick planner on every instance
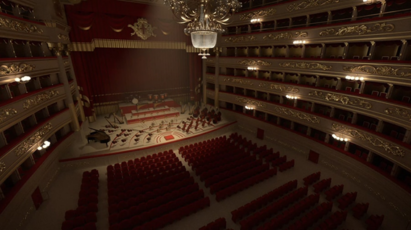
(250, 62)
(249, 101)
(308, 4)
(258, 14)
(142, 29)
(39, 98)
(16, 68)
(377, 142)
(304, 65)
(33, 140)
(358, 30)
(399, 112)
(380, 70)
(210, 78)
(63, 37)
(287, 35)
(19, 26)
(240, 39)
(2, 166)
(284, 88)
(341, 98)
(296, 114)
(237, 80)
(7, 113)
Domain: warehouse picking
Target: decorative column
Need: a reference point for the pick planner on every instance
(338, 86)
(371, 53)
(63, 79)
(303, 51)
(308, 20)
(216, 78)
(330, 17)
(383, 6)
(394, 171)
(10, 49)
(346, 146)
(403, 50)
(345, 50)
(354, 118)
(390, 90)
(322, 50)
(204, 81)
(27, 49)
(15, 176)
(362, 86)
(77, 93)
(370, 156)
(317, 82)
(407, 136)
(332, 112)
(287, 51)
(327, 138)
(354, 13)
(380, 126)
(275, 24)
(308, 133)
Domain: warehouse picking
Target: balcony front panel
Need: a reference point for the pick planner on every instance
(19, 28)
(376, 30)
(15, 156)
(395, 152)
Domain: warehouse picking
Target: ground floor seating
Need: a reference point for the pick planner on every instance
(359, 210)
(346, 200)
(333, 192)
(322, 185)
(218, 224)
(333, 221)
(312, 178)
(312, 217)
(374, 222)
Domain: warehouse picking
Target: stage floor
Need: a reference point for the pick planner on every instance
(129, 132)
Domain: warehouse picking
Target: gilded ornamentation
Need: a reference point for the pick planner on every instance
(2, 166)
(304, 65)
(7, 113)
(341, 98)
(142, 29)
(287, 35)
(240, 39)
(33, 140)
(19, 26)
(210, 78)
(358, 29)
(63, 37)
(380, 70)
(308, 4)
(284, 88)
(249, 101)
(254, 62)
(39, 98)
(402, 113)
(16, 68)
(258, 14)
(388, 147)
(296, 114)
(238, 80)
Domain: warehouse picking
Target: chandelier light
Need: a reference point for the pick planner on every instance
(46, 144)
(252, 68)
(24, 79)
(291, 97)
(299, 42)
(204, 18)
(249, 107)
(339, 138)
(354, 78)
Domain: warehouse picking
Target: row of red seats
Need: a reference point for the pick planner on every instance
(227, 165)
(333, 221)
(311, 217)
(291, 213)
(204, 147)
(151, 204)
(203, 143)
(260, 150)
(346, 200)
(333, 192)
(237, 178)
(175, 215)
(267, 198)
(200, 160)
(273, 208)
(118, 203)
(219, 161)
(286, 165)
(85, 215)
(272, 157)
(322, 185)
(312, 178)
(233, 171)
(279, 161)
(359, 210)
(192, 156)
(218, 224)
(146, 160)
(221, 195)
(155, 213)
(266, 153)
(374, 222)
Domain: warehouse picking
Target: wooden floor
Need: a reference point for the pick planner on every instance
(63, 196)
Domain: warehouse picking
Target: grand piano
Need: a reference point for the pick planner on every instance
(98, 135)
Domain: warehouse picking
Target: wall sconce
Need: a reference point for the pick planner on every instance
(252, 68)
(46, 144)
(291, 97)
(249, 107)
(300, 42)
(339, 138)
(255, 20)
(24, 79)
(354, 78)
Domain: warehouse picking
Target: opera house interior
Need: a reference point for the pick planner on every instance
(205, 114)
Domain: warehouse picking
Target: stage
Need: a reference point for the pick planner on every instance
(140, 134)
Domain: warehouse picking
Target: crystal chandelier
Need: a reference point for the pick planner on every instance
(204, 18)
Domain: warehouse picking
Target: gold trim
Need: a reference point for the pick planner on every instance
(284, 88)
(254, 62)
(237, 80)
(380, 70)
(388, 147)
(33, 140)
(39, 98)
(19, 26)
(16, 68)
(296, 114)
(210, 78)
(249, 101)
(399, 112)
(63, 37)
(258, 14)
(305, 65)
(240, 39)
(308, 4)
(341, 98)
(143, 29)
(358, 30)
(2, 166)
(287, 35)
(7, 113)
